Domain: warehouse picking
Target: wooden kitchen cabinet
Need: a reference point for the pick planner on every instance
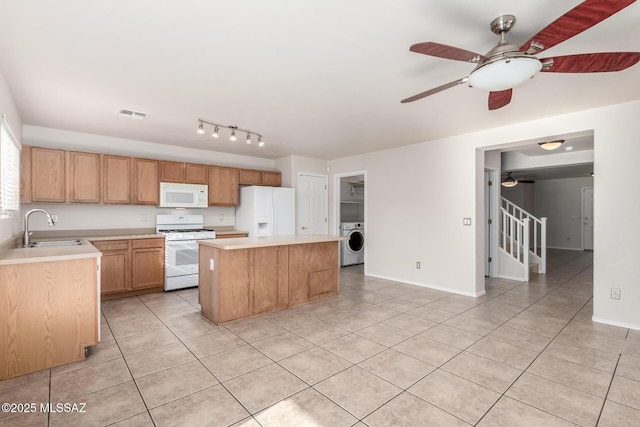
(83, 177)
(171, 171)
(258, 177)
(250, 177)
(195, 174)
(116, 179)
(223, 186)
(147, 263)
(146, 182)
(131, 264)
(312, 272)
(50, 314)
(47, 175)
(269, 279)
(272, 179)
(114, 266)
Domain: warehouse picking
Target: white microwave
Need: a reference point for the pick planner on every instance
(174, 195)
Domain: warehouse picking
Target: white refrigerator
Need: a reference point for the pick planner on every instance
(267, 211)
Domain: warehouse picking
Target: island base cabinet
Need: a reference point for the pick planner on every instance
(236, 284)
(49, 314)
(313, 272)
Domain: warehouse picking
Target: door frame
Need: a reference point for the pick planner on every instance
(491, 234)
(582, 202)
(336, 201)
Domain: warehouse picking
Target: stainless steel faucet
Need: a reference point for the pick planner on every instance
(25, 237)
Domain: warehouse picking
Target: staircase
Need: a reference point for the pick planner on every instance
(523, 242)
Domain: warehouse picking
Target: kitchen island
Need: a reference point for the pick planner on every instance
(243, 277)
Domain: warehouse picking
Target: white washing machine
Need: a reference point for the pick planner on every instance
(352, 250)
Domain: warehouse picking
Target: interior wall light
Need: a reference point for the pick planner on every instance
(509, 181)
(551, 145)
(232, 134)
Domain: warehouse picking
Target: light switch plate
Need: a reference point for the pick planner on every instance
(466, 221)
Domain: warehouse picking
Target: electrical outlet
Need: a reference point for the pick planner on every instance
(211, 264)
(221, 217)
(418, 265)
(54, 217)
(615, 293)
(143, 218)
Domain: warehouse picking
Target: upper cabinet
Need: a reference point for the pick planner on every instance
(116, 179)
(257, 177)
(47, 175)
(171, 171)
(62, 176)
(146, 182)
(83, 177)
(223, 186)
(196, 174)
(187, 173)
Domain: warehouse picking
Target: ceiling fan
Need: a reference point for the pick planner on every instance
(507, 65)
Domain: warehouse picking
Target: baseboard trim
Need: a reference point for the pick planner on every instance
(614, 323)
(425, 285)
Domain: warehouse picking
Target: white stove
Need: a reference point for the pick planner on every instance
(181, 250)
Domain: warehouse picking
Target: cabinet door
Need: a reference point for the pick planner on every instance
(312, 272)
(147, 268)
(115, 270)
(47, 175)
(195, 174)
(250, 177)
(116, 179)
(270, 281)
(114, 266)
(83, 177)
(171, 171)
(223, 186)
(146, 182)
(273, 179)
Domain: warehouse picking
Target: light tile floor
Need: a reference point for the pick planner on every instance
(381, 354)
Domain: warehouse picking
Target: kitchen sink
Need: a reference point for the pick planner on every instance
(50, 243)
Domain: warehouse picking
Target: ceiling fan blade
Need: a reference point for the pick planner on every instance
(584, 16)
(435, 90)
(499, 99)
(446, 52)
(591, 62)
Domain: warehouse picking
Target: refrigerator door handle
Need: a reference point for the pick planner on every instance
(275, 213)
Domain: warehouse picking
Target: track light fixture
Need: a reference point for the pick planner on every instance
(232, 135)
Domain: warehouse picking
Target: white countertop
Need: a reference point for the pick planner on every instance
(51, 253)
(261, 242)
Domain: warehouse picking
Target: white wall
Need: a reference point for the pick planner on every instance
(560, 201)
(95, 217)
(414, 214)
(9, 227)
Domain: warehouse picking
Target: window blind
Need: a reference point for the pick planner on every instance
(9, 172)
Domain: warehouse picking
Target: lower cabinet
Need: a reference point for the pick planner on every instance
(130, 264)
(249, 282)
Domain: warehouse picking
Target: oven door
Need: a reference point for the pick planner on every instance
(181, 258)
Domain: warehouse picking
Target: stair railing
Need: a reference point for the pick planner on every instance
(537, 230)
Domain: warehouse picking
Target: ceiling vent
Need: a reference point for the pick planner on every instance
(132, 114)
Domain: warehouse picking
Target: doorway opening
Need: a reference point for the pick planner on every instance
(350, 216)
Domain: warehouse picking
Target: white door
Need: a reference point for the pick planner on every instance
(313, 212)
(587, 218)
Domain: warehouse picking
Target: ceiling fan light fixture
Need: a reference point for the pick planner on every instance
(509, 181)
(551, 145)
(504, 73)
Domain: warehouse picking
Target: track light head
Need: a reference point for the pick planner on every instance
(200, 128)
(248, 141)
(215, 132)
(260, 142)
(233, 133)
